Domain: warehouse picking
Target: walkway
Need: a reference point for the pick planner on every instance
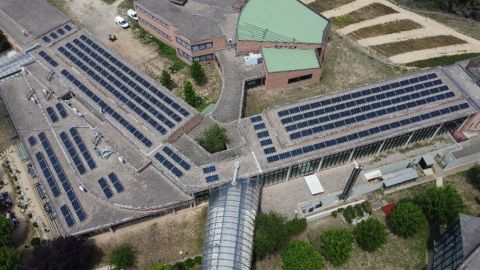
(230, 103)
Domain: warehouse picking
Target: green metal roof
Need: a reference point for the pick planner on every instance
(280, 21)
(284, 59)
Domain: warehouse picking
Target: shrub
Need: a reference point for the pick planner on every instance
(407, 219)
(334, 214)
(336, 246)
(473, 176)
(6, 231)
(296, 226)
(35, 242)
(9, 258)
(370, 235)
(189, 263)
(349, 214)
(367, 207)
(161, 267)
(189, 94)
(180, 266)
(4, 45)
(198, 260)
(197, 73)
(358, 211)
(214, 139)
(270, 234)
(300, 255)
(166, 79)
(122, 258)
(441, 205)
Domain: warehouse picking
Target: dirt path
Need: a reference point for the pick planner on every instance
(430, 28)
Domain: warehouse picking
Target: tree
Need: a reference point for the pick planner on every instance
(270, 234)
(6, 230)
(214, 139)
(4, 45)
(441, 205)
(197, 73)
(189, 93)
(336, 246)
(9, 258)
(296, 226)
(122, 258)
(64, 253)
(473, 176)
(161, 267)
(300, 255)
(166, 79)
(407, 219)
(370, 235)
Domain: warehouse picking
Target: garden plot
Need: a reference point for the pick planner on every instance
(371, 11)
(385, 29)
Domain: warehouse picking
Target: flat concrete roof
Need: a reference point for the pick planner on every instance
(280, 21)
(285, 59)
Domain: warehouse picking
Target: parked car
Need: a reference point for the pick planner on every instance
(121, 22)
(132, 14)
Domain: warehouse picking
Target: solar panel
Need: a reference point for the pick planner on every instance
(167, 164)
(73, 153)
(52, 114)
(47, 174)
(212, 178)
(32, 141)
(167, 150)
(46, 39)
(209, 169)
(105, 187)
(116, 182)
(61, 110)
(67, 215)
(83, 148)
(68, 27)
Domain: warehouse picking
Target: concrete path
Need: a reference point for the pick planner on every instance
(345, 9)
(230, 103)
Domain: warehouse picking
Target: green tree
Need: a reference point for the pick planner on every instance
(336, 246)
(189, 93)
(214, 139)
(407, 219)
(161, 267)
(166, 79)
(441, 205)
(122, 258)
(270, 234)
(9, 258)
(296, 226)
(6, 230)
(370, 234)
(197, 73)
(300, 255)
(4, 45)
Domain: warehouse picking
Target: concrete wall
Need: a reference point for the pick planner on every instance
(279, 80)
(245, 46)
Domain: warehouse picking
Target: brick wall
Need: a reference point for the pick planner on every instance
(279, 80)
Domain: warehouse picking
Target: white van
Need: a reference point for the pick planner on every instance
(132, 14)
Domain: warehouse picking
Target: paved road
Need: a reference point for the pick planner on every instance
(230, 103)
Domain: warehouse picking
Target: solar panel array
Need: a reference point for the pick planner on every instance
(47, 58)
(168, 165)
(209, 169)
(117, 81)
(167, 150)
(67, 215)
(105, 187)
(55, 33)
(47, 173)
(67, 187)
(32, 141)
(211, 178)
(210, 175)
(354, 108)
(52, 114)
(116, 182)
(263, 135)
(73, 153)
(366, 132)
(83, 148)
(61, 110)
(108, 109)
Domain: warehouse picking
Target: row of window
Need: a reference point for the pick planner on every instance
(201, 58)
(141, 10)
(312, 166)
(196, 47)
(151, 26)
(301, 78)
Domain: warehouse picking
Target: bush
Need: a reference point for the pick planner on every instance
(161, 267)
(189, 94)
(300, 255)
(198, 260)
(473, 176)
(197, 73)
(6, 231)
(270, 234)
(4, 45)
(407, 219)
(9, 258)
(336, 246)
(122, 258)
(334, 214)
(370, 235)
(367, 207)
(180, 266)
(35, 242)
(358, 211)
(166, 79)
(214, 139)
(296, 226)
(349, 214)
(189, 263)
(441, 205)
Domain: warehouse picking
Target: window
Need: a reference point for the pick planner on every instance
(149, 25)
(141, 10)
(196, 47)
(301, 78)
(200, 58)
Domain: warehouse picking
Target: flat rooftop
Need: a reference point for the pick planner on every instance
(285, 59)
(281, 21)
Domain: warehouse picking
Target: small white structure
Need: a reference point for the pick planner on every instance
(373, 175)
(253, 59)
(314, 184)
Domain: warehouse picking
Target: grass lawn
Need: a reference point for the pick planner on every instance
(385, 29)
(394, 48)
(442, 60)
(322, 5)
(365, 13)
(346, 66)
(466, 190)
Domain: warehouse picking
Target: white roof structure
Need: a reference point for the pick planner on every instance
(373, 174)
(314, 184)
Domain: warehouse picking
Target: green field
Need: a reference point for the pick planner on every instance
(384, 29)
(365, 13)
(394, 48)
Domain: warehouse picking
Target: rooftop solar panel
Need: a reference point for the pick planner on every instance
(105, 188)
(116, 182)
